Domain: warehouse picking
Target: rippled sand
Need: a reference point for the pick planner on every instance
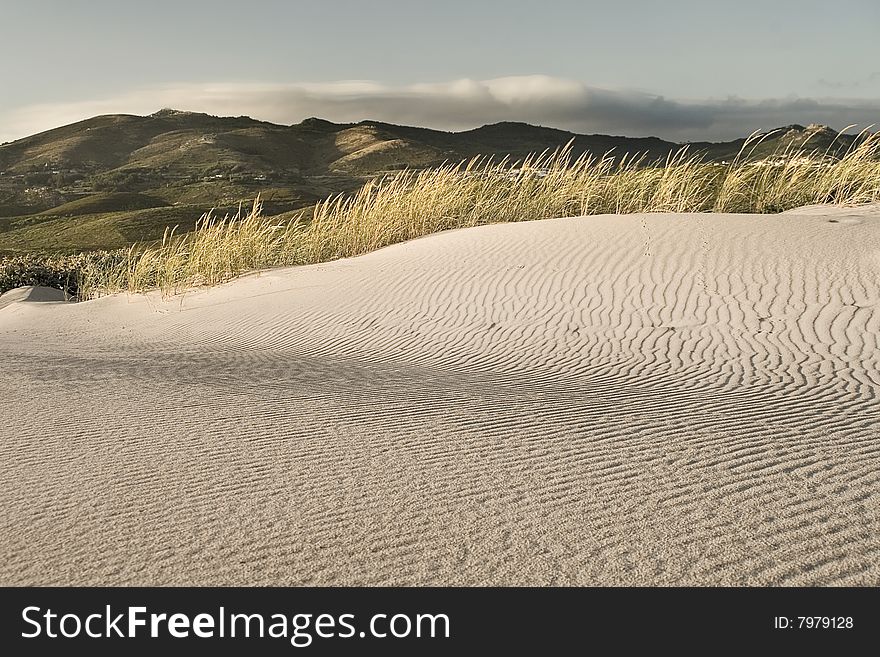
(644, 399)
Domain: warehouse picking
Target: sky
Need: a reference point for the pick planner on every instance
(678, 69)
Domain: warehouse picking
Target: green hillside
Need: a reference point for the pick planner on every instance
(107, 202)
(96, 231)
(111, 180)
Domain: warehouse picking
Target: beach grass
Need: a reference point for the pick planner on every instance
(414, 203)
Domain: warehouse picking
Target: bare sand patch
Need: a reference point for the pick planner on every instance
(642, 399)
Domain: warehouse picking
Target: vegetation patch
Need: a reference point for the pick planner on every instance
(62, 272)
(107, 202)
(410, 204)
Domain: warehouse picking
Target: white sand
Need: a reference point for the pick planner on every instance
(647, 399)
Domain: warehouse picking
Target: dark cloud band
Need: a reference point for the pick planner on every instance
(464, 104)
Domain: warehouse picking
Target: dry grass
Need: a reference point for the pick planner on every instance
(63, 272)
(415, 203)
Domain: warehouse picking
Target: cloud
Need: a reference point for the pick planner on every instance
(866, 81)
(463, 104)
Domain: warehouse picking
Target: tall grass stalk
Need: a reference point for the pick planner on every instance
(413, 203)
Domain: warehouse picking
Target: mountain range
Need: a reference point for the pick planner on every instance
(112, 180)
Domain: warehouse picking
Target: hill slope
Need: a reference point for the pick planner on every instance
(120, 163)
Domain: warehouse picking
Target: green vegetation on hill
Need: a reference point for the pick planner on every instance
(47, 233)
(416, 203)
(106, 202)
(111, 180)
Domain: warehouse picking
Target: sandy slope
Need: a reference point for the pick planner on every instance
(649, 399)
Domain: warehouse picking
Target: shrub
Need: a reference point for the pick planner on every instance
(63, 272)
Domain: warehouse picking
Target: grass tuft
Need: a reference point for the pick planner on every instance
(414, 203)
(63, 272)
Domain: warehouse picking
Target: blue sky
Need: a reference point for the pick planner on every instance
(677, 69)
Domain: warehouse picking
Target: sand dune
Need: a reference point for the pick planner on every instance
(644, 399)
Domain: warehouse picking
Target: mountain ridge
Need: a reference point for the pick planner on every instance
(512, 136)
(188, 162)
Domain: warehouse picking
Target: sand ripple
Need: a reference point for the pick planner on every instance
(645, 399)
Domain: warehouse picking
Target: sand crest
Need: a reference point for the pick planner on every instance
(644, 399)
